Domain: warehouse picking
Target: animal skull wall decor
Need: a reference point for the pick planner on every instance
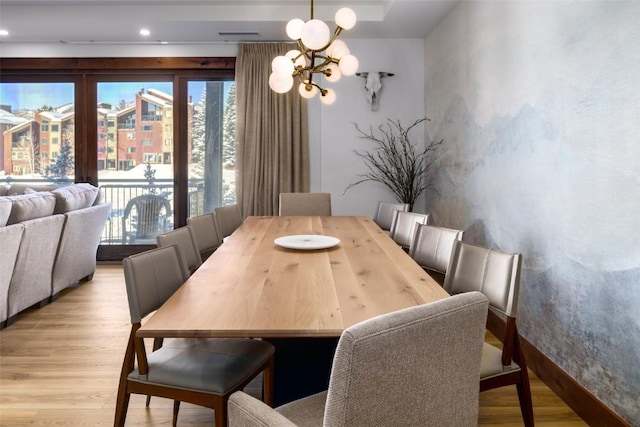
(373, 86)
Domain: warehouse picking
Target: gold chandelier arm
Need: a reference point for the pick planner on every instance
(326, 60)
(310, 83)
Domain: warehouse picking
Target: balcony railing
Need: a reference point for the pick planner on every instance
(118, 192)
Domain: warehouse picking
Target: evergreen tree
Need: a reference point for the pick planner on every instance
(197, 138)
(60, 170)
(229, 129)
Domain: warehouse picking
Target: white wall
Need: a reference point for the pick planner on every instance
(333, 134)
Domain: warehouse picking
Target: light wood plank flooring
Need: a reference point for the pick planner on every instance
(59, 365)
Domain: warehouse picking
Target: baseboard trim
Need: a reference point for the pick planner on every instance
(586, 405)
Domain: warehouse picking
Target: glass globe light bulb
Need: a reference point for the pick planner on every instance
(348, 65)
(308, 94)
(346, 18)
(338, 49)
(335, 73)
(329, 97)
(280, 83)
(294, 28)
(282, 65)
(315, 34)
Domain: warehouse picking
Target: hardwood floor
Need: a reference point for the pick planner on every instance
(59, 365)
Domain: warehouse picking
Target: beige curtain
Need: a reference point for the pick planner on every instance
(272, 133)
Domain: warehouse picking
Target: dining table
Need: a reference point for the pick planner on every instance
(298, 282)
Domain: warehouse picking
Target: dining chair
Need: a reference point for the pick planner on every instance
(188, 249)
(205, 234)
(404, 225)
(203, 372)
(145, 217)
(301, 204)
(228, 218)
(417, 366)
(431, 248)
(497, 275)
(384, 214)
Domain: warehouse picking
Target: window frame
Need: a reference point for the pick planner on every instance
(85, 73)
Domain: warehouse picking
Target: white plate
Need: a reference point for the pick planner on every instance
(307, 242)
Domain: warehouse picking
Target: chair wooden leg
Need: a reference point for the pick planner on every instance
(122, 402)
(176, 408)
(524, 396)
(267, 384)
(221, 414)
(157, 343)
(121, 409)
(523, 386)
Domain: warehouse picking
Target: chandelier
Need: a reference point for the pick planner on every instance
(318, 52)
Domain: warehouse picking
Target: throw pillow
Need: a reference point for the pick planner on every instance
(30, 206)
(74, 197)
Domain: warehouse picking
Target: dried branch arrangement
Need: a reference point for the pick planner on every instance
(397, 163)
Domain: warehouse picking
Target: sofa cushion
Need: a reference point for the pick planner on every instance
(19, 188)
(5, 210)
(4, 190)
(30, 206)
(74, 197)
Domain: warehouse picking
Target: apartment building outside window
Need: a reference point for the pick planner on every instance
(113, 156)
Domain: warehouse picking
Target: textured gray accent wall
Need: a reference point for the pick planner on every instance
(539, 106)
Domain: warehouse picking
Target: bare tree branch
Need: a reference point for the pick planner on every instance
(397, 163)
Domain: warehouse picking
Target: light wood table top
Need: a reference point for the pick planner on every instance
(250, 287)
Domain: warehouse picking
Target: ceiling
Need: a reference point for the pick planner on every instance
(107, 22)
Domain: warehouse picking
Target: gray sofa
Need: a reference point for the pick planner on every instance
(49, 237)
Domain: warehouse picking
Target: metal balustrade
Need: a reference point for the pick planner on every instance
(118, 192)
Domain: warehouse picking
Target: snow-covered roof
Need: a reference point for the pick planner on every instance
(7, 118)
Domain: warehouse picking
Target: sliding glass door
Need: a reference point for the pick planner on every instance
(156, 135)
(211, 136)
(135, 151)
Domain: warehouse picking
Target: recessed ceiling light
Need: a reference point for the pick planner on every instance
(4, 33)
(144, 32)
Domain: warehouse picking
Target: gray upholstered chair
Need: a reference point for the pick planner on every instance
(228, 218)
(414, 367)
(385, 213)
(404, 225)
(202, 372)
(300, 204)
(497, 275)
(188, 249)
(431, 248)
(205, 233)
